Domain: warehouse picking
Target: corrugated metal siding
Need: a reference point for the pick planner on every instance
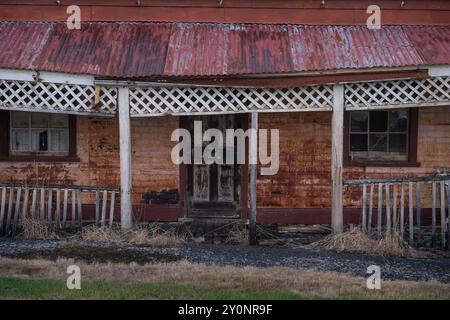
(137, 50)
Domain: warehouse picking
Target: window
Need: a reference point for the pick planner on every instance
(39, 132)
(380, 136)
(32, 135)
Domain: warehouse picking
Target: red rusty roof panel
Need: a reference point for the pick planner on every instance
(258, 49)
(21, 43)
(196, 49)
(139, 50)
(432, 43)
(342, 47)
(106, 49)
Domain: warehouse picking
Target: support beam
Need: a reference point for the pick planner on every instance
(337, 141)
(253, 158)
(125, 159)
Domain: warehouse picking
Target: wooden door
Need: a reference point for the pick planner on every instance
(214, 190)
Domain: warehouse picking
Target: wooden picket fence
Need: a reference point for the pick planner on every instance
(61, 205)
(399, 199)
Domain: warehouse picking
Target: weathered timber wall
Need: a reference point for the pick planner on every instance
(98, 152)
(303, 180)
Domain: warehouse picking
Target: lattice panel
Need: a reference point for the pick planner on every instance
(401, 93)
(195, 100)
(53, 97)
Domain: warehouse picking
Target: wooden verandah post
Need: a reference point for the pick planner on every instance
(125, 159)
(337, 141)
(253, 174)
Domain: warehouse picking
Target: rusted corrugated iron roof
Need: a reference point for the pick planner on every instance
(141, 50)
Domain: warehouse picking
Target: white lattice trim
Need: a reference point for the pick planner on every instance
(52, 97)
(398, 93)
(147, 101)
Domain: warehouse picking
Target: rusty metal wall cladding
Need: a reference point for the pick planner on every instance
(139, 50)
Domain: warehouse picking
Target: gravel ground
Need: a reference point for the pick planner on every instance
(392, 268)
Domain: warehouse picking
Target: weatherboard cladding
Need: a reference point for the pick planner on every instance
(140, 50)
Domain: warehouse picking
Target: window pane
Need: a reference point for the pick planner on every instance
(59, 140)
(20, 119)
(378, 142)
(398, 121)
(378, 121)
(40, 140)
(20, 140)
(358, 142)
(39, 120)
(59, 121)
(397, 143)
(359, 121)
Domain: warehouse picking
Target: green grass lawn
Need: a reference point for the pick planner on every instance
(18, 288)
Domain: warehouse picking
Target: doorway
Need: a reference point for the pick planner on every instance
(215, 190)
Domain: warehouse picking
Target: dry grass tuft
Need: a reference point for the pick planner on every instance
(238, 235)
(35, 229)
(355, 240)
(143, 235)
(154, 236)
(101, 234)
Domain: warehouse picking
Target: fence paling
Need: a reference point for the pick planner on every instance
(10, 206)
(394, 207)
(97, 207)
(46, 205)
(111, 210)
(2, 209)
(80, 210)
(16, 211)
(411, 209)
(402, 211)
(380, 208)
(442, 197)
(448, 205)
(364, 208)
(73, 207)
(49, 206)
(433, 214)
(369, 226)
(388, 209)
(105, 198)
(418, 211)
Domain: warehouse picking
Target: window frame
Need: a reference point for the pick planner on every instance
(411, 147)
(5, 140)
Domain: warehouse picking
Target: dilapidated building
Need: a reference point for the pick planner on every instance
(361, 112)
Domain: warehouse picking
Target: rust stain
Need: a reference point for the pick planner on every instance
(140, 50)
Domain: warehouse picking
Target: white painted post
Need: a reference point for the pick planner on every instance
(253, 167)
(125, 159)
(337, 141)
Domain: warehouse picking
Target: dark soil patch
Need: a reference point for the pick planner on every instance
(98, 255)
